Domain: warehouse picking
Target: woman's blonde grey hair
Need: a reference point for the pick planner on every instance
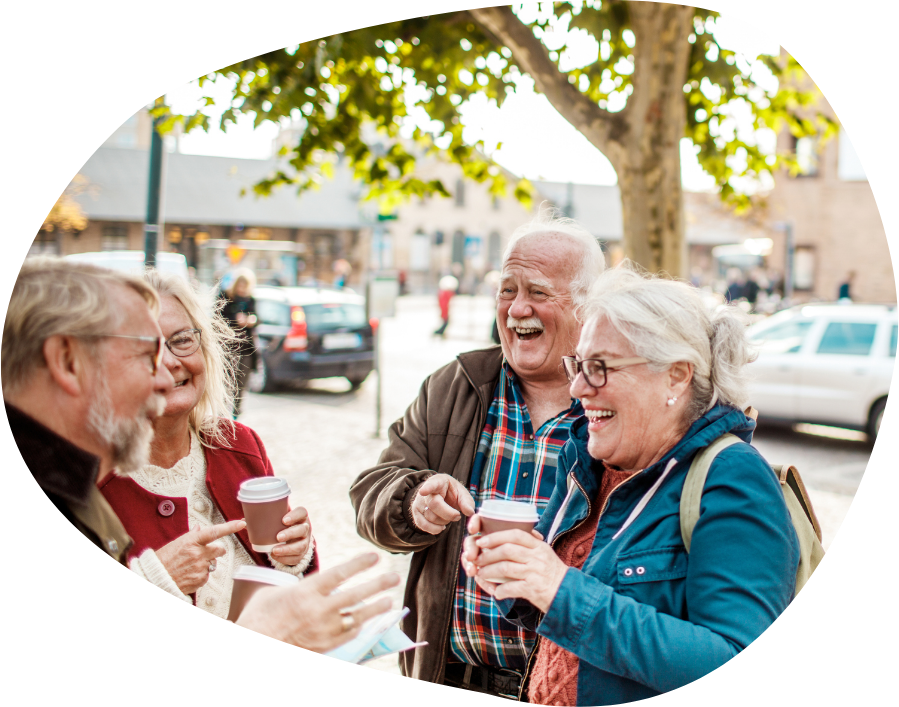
(211, 417)
(666, 322)
(245, 274)
(550, 221)
(54, 297)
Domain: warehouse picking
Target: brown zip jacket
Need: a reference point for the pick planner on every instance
(438, 434)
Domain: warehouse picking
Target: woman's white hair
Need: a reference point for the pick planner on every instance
(549, 221)
(211, 417)
(666, 322)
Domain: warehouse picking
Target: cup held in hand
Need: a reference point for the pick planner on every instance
(248, 580)
(497, 515)
(264, 502)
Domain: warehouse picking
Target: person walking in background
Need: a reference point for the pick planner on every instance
(845, 292)
(239, 311)
(446, 289)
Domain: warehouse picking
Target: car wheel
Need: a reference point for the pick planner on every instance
(260, 381)
(356, 381)
(875, 417)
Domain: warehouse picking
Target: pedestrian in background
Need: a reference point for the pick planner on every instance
(239, 311)
(446, 289)
(845, 292)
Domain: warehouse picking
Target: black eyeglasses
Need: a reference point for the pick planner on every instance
(184, 343)
(596, 370)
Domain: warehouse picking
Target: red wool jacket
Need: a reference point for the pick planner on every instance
(153, 521)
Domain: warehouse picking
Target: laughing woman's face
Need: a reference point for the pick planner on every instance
(189, 372)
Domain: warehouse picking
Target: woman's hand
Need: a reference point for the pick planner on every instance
(531, 567)
(295, 538)
(188, 559)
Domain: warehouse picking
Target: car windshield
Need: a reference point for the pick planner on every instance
(782, 338)
(334, 316)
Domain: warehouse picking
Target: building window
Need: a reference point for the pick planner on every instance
(804, 268)
(114, 238)
(458, 253)
(494, 255)
(460, 192)
(806, 150)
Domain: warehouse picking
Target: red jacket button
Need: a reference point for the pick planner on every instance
(166, 508)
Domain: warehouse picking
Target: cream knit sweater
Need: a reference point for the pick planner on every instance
(187, 479)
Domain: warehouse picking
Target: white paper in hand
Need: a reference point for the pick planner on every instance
(379, 637)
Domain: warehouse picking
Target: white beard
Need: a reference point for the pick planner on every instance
(129, 438)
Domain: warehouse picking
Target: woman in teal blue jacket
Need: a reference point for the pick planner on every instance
(624, 612)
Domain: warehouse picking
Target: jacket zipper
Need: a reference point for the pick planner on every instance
(533, 654)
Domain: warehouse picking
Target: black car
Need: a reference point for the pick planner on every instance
(305, 333)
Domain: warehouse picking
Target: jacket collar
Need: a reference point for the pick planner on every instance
(59, 467)
(716, 422)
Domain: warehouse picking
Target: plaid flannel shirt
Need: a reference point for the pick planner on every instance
(513, 464)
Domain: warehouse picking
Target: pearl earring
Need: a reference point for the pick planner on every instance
(671, 401)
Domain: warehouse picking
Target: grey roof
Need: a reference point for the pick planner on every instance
(206, 191)
(598, 209)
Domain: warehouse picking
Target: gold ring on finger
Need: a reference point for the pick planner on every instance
(348, 622)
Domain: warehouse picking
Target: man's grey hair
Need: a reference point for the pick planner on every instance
(549, 221)
(211, 417)
(666, 321)
(53, 297)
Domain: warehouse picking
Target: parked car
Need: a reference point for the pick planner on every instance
(828, 364)
(132, 261)
(306, 333)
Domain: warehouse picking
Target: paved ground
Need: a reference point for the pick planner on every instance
(321, 436)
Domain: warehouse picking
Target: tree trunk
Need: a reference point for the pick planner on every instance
(649, 169)
(642, 141)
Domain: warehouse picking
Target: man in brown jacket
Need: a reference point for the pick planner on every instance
(489, 425)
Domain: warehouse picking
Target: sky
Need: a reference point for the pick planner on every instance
(537, 142)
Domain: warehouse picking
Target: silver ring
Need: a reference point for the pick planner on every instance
(348, 623)
(211, 567)
(426, 508)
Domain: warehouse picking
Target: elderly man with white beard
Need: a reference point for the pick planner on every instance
(490, 425)
(82, 383)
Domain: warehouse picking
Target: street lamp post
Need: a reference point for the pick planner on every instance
(154, 188)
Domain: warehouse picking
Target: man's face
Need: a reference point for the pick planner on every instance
(125, 394)
(534, 311)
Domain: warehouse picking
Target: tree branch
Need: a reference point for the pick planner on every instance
(603, 129)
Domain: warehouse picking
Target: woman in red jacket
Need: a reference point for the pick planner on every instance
(181, 509)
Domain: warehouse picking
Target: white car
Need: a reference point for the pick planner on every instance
(828, 364)
(132, 261)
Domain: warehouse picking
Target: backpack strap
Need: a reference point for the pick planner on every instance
(695, 482)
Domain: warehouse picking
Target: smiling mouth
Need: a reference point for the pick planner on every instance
(526, 334)
(597, 415)
(181, 384)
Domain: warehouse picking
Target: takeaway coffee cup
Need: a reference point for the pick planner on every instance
(264, 502)
(499, 515)
(249, 579)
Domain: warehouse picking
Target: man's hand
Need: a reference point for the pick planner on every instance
(311, 615)
(440, 501)
(187, 559)
(295, 538)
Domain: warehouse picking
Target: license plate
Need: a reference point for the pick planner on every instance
(341, 341)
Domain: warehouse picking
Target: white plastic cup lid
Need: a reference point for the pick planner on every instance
(266, 488)
(265, 575)
(516, 511)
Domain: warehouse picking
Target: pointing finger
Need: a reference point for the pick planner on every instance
(327, 581)
(213, 533)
